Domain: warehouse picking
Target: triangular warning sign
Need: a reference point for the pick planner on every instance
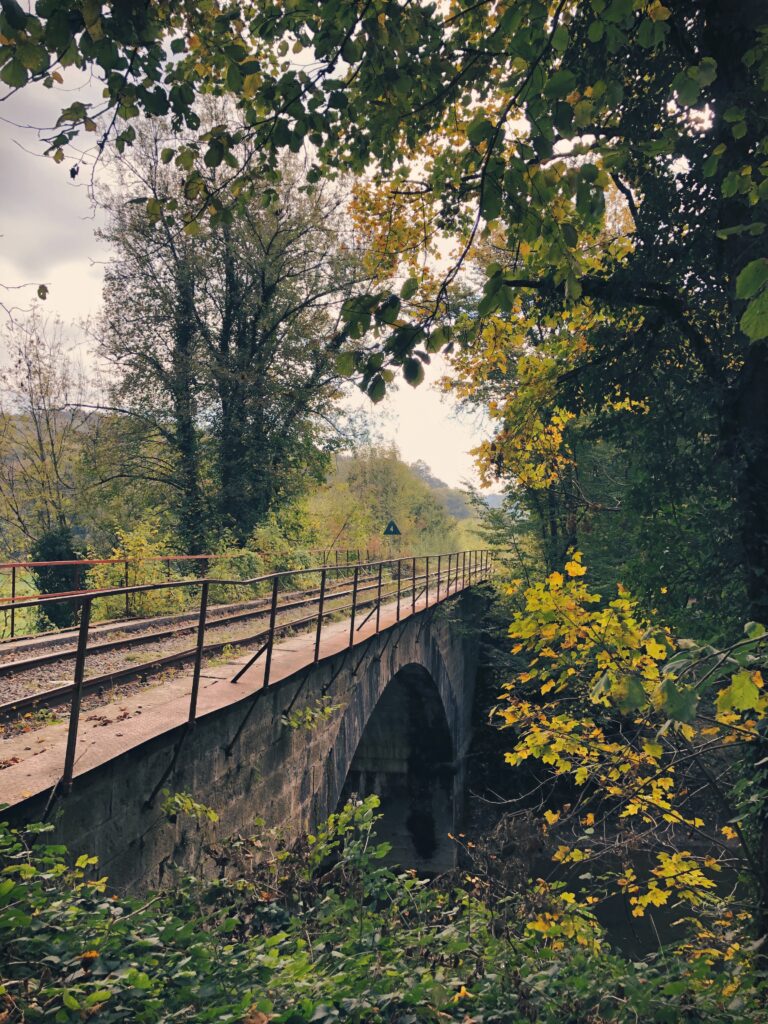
(391, 529)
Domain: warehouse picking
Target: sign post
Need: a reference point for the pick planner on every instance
(392, 530)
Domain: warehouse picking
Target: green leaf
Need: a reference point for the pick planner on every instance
(754, 322)
(34, 58)
(15, 14)
(560, 84)
(234, 78)
(413, 371)
(560, 39)
(491, 203)
(754, 630)
(686, 87)
(679, 702)
(389, 311)
(596, 31)
(479, 129)
(570, 235)
(439, 337)
(752, 278)
(410, 288)
(742, 694)
(14, 74)
(706, 72)
(154, 208)
(214, 154)
(377, 388)
(345, 363)
(634, 696)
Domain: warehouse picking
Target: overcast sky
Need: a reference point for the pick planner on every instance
(47, 235)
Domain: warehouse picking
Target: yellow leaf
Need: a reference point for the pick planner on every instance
(574, 568)
(656, 650)
(552, 816)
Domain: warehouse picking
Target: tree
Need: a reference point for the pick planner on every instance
(521, 115)
(366, 490)
(224, 337)
(42, 433)
(652, 744)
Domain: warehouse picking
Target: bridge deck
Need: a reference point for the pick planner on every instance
(35, 759)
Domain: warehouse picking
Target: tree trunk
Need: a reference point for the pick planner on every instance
(191, 514)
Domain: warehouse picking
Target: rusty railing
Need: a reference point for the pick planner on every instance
(408, 584)
(20, 570)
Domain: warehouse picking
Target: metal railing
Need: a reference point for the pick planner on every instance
(411, 583)
(20, 572)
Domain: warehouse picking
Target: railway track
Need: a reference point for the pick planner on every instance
(140, 672)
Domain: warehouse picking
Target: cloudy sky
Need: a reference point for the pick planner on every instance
(47, 235)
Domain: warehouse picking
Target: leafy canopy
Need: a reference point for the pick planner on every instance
(518, 113)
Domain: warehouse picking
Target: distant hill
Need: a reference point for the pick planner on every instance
(454, 500)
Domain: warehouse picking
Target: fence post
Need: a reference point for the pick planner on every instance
(399, 574)
(426, 584)
(198, 651)
(355, 577)
(378, 596)
(13, 601)
(439, 567)
(271, 636)
(463, 569)
(321, 605)
(127, 600)
(413, 585)
(77, 695)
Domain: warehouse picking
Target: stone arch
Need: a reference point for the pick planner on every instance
(405, 755)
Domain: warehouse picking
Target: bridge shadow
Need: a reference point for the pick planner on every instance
(405, 756)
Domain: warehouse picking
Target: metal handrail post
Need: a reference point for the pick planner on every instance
(439, 566)
(378, 597)
(13, 601)
(399, 585)
(198, 651)
(355, 580)
(77, 695)
(463, 569)
(127, 601)
(426, 584)
(413, 585)
(271, 635)
(321, 606)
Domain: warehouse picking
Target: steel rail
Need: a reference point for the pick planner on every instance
(51, 657)
(115, 677)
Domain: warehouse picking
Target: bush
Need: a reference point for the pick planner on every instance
(140, 552)
(324, 933)
(57, 545)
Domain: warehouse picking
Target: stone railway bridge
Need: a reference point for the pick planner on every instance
(400, 727)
